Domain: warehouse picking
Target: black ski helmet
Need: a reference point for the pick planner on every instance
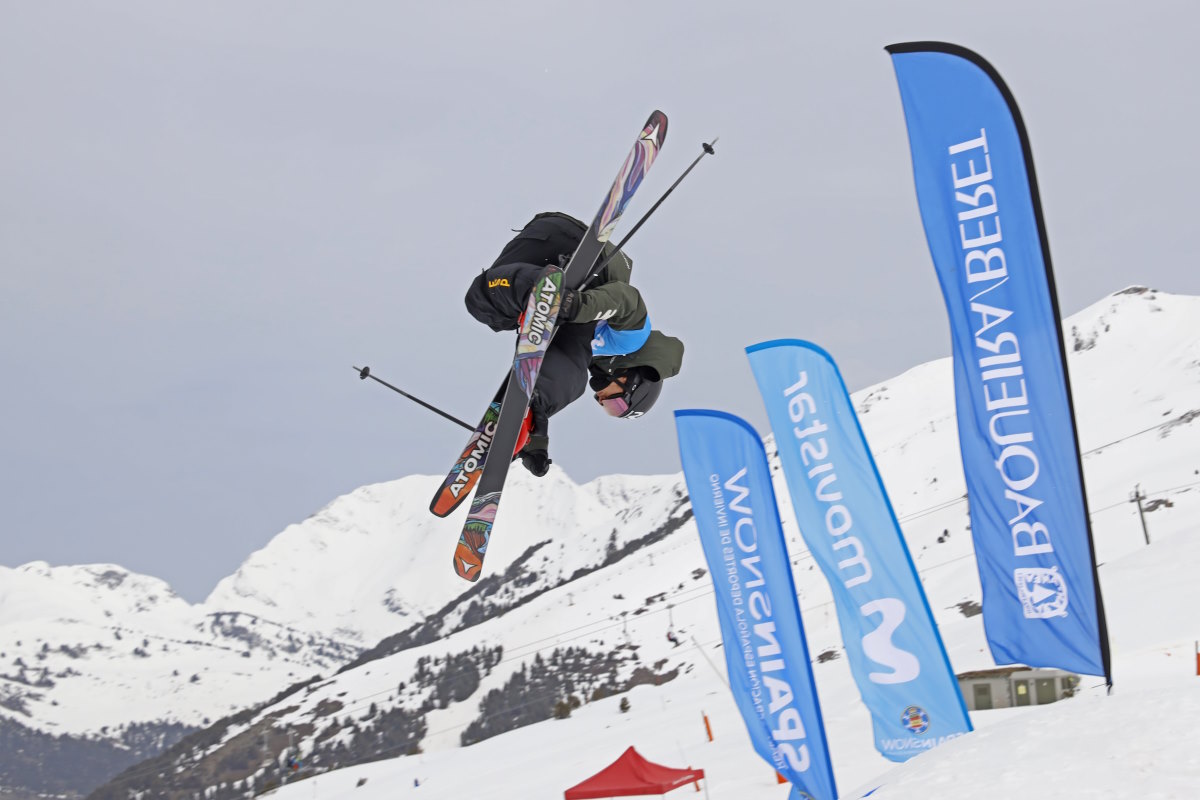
(641, 392)
(642, 396)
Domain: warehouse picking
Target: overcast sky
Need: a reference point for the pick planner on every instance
(210, 211)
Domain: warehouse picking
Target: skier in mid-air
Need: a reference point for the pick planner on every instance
(603, 336)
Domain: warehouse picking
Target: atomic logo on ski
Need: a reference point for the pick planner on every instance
(538, 329)
(466, 471)
(473, 461)
(545, 310)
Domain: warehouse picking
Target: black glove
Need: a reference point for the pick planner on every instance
(536, 461)
(568, 305)
(535, 454)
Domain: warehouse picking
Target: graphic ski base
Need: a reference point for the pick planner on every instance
(473, 542)
(465, 474)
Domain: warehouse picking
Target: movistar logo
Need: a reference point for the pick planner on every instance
(498, 282)
(878, 646)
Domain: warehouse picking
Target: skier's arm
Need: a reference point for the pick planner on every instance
(618, 304)
(497, 296)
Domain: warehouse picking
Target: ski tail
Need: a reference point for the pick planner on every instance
(533, 341)
(476, 533)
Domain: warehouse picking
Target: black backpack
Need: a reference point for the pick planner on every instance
(551, 237)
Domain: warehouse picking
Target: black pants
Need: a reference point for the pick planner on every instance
(564, 375)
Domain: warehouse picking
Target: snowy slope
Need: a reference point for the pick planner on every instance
(382, 564)
(1140, 371)
(1136, 742)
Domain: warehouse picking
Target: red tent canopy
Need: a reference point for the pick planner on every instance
(632, 775)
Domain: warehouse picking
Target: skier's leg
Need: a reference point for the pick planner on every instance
(564, 373)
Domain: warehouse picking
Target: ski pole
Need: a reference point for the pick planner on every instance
(708, 151)
(365, 373)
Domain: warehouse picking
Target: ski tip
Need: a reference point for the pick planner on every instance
(656, 128)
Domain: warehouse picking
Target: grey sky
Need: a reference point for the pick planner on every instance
(210, 211)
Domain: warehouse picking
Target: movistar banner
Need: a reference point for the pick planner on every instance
(891, 640)
(983, 221)
(767, 658)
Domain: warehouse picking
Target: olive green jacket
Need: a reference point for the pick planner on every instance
(621, 306)
(661, 353)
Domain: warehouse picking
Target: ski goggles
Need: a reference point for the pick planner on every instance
(620, 405)
(616, 406)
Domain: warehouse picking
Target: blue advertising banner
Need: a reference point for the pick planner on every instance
(892, 643)
(765, 652)
(982, 215)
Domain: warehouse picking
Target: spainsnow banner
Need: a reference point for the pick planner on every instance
(892, 642)
(983, 221)
(765, 652)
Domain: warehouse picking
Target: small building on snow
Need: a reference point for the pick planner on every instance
(1005, 687)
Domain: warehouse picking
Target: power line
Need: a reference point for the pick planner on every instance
(1175, 488)
(1130, 436)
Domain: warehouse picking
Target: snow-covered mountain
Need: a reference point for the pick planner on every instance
(604, 570)
(92, 647)
(361, 569)
(98, 653)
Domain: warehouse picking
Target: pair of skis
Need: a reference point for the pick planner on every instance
(500, 429)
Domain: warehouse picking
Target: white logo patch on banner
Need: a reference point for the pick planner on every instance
(1042, 591)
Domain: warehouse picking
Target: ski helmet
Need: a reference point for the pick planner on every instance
(640, 395)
